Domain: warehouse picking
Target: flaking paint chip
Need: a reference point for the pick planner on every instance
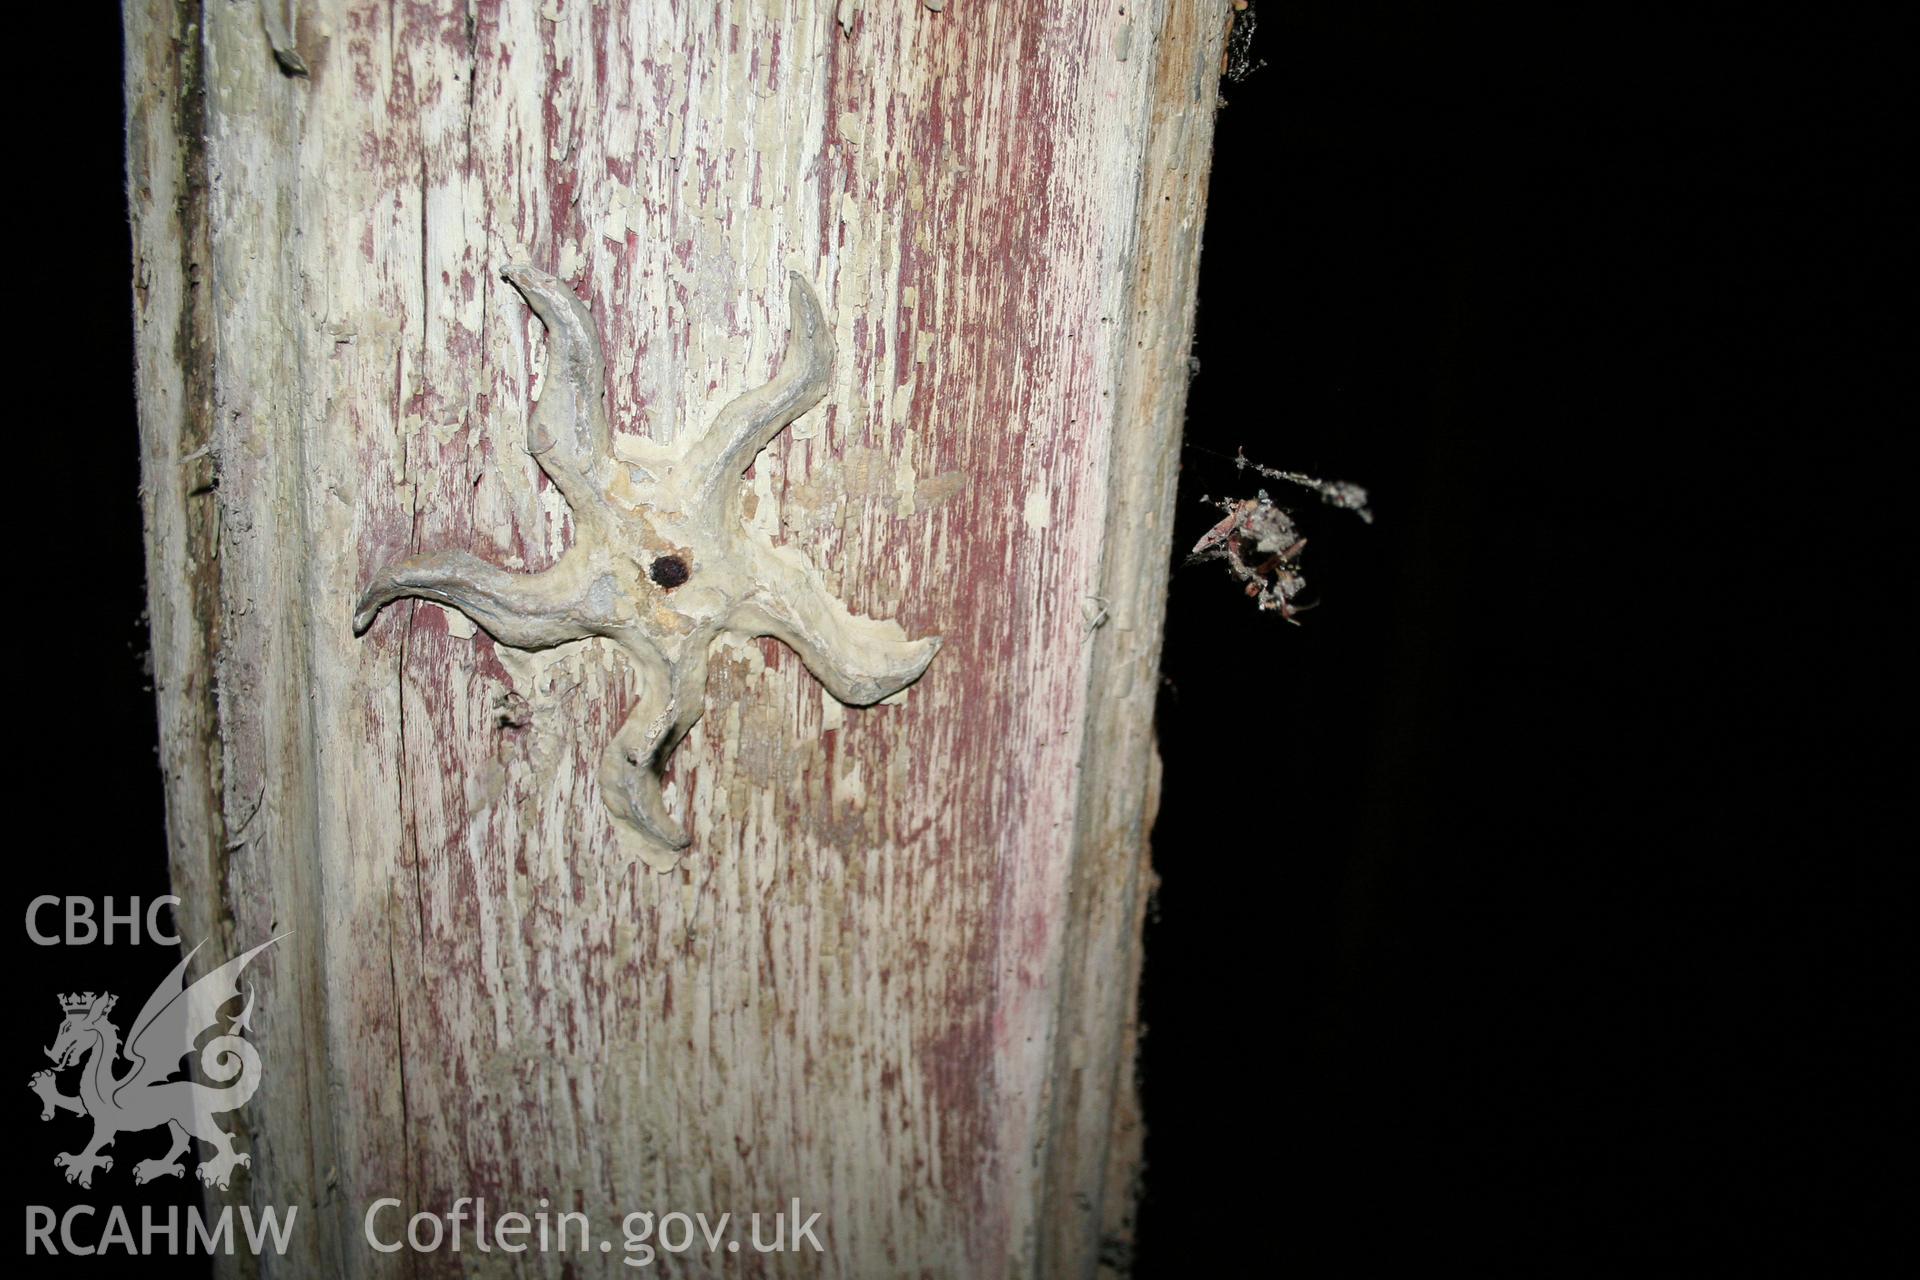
(1037, 514)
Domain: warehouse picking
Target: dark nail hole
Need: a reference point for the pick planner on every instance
(668, 571)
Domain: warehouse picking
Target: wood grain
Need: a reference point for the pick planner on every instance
(893, 977)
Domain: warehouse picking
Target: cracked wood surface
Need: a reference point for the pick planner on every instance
(893, 975)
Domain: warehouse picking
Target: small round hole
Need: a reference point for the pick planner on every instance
(668, 571)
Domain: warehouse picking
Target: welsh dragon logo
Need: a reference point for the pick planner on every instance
(147, 1096)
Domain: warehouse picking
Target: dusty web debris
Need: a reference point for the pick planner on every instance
(1260, 545)
(1259, 541)
(1335, 493)
(1236, 60)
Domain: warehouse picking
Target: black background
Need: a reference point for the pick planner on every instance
(1530, 901)
(1533, 900)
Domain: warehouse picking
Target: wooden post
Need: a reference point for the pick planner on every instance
(893, 977)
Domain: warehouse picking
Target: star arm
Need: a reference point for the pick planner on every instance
(524, 610)
(748, 423)
(568, 433)
(672, 697)
(859, 660)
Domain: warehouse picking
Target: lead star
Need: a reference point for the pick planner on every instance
(662, 562)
